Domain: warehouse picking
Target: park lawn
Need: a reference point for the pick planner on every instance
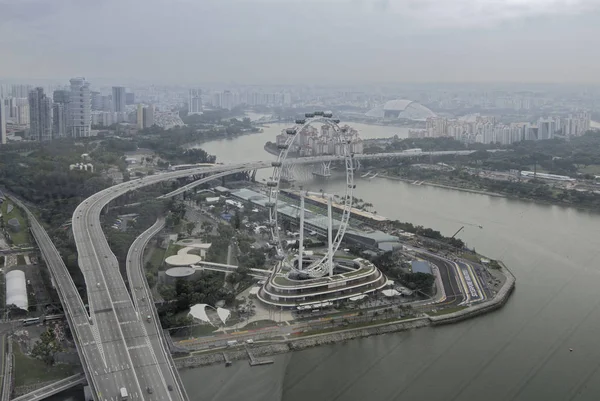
(20, 260)
(259, 324)
(30, 371)
(172, 249)
(593, 169)
(22, 237)
(446, 311)
(473, 257)
(157, 258)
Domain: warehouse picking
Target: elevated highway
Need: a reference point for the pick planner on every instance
(143, 303)
(53, 388)
(236, 168)
(84, 334)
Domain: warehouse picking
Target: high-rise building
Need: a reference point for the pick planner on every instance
(195, 102)
(97, 101)
(22, 114)
(2, 122)
(80, 109)
(140, 116)
(148, 116)
(40, 115)
(118, 99)
(130, 98)
(60, 113)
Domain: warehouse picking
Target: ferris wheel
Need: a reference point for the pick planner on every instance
(342, 145)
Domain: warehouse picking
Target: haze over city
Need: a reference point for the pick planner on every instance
(292, 42)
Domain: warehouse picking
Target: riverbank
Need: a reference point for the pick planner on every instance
(490, 193)
(433, 184)
(274, 347)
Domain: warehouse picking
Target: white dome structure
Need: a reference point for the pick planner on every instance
(401, 109)
(16, 289)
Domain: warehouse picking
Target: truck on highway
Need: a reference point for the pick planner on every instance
(124, 395)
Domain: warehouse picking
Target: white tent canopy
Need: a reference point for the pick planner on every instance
(198, 311)
(390, 293)
(223, 314)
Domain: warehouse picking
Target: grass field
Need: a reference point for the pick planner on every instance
(157, 258)
(447, 311)
(31, 371)
(593, 169)
(259, 324)
(172, 249)
(22, 237)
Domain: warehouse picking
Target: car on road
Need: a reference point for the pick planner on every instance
(149, 389)
(170, 387)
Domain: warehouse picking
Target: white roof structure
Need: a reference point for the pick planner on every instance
(357, 297)
(254, 290)
(390, 293)
(223, 314)
(184, 259)
(178, 272)
(198, 311)
(401, 109)
(16, 289)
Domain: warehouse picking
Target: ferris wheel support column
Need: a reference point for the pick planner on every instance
(330, 235)
(301, 243)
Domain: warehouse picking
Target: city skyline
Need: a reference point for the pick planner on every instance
(369, 41)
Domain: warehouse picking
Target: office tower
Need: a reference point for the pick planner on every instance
(40, 115)
(22, 114)
(2, 122)
(97, 101)
(60, 113)
(227, 100)
(118, 99)
(21, 91)
(140, 116)
(148, 116)
(195, 102)
(80, 109)
(130, 98)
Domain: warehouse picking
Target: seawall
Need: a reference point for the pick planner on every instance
(281, 346)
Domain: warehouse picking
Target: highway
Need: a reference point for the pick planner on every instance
(53, 388)
(235, 168)
(143, 303)
(83, 333)
(129, 358)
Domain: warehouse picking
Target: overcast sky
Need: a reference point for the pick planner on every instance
(302, 41)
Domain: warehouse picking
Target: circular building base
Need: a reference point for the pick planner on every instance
(284, 292)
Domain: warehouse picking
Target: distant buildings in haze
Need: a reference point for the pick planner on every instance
(485, 129)
(40, 115)
(3, 112)
(80, 108)
(60, 113)
(118, 99)
(195, 101)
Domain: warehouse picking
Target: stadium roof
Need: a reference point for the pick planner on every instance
(401, 109)
(16, 289)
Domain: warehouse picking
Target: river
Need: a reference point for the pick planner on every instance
(520, 352)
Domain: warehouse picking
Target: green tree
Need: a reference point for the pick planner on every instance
(46, 347)
(190, 226)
